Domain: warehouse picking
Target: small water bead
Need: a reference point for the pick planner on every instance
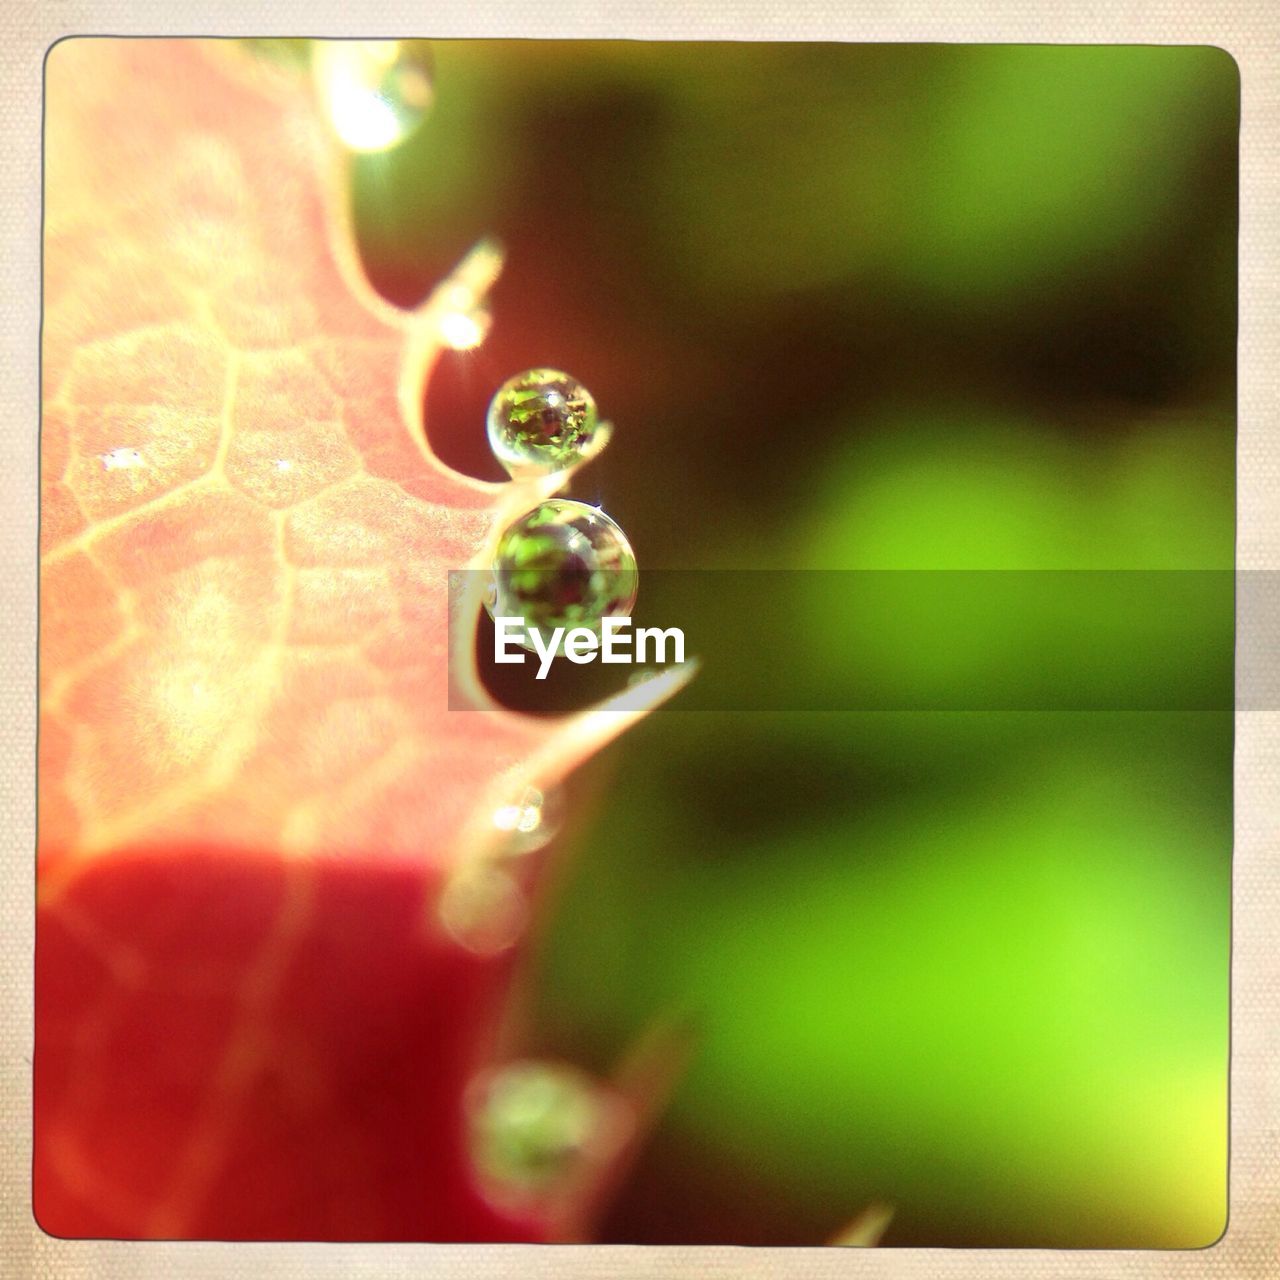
(543, 421)
(532, 1123)
(563, 564)
(376, 92)
(484, 910)
(530, 821)
(462, 330)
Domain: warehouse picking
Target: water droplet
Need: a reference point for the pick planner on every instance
(376, 92)
(462, 330)
(529, 822)
(543, 421)
(563, 564)
(483, 909)
(532, 1123)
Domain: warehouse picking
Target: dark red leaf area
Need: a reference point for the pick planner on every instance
(238, 1047)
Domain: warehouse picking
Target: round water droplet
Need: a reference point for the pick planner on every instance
(463, 330)
(529, 822)
(543, 421)
(531, 1125)
(376, 92)
(563, 564)
(483, 910)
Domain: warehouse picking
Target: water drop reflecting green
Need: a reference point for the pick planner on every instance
(531, 1124)
(563, 564)
(543, 421)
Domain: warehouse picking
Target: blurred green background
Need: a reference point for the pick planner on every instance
(880, 307)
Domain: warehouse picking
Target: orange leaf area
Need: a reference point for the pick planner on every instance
(251, 786)
(245, 543)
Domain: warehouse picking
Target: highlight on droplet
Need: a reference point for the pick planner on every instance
(374, 92)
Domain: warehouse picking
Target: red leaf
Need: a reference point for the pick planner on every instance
(250, 1023)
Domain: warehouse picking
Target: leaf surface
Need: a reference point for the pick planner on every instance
(252, 788)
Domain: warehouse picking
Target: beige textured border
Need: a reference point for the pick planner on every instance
(1249, 29)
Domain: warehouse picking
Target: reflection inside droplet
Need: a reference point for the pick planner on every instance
(563, 564)
(531, 1125)
(543, 421)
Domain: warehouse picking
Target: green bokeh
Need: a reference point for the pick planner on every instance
(992, 995)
